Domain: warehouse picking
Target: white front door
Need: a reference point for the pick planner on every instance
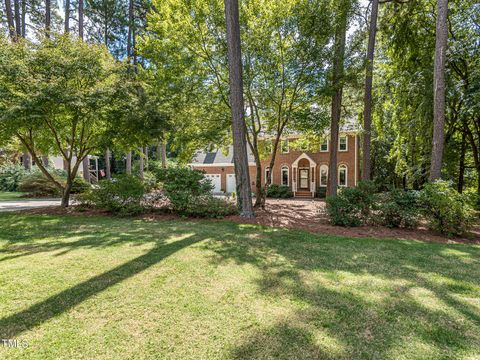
(216, 180)
(231, 183)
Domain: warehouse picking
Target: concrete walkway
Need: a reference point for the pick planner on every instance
(27, 204)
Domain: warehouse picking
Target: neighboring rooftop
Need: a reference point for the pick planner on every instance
(218, 156)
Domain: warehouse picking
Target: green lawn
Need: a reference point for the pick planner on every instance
(103, 288)
(5, 196)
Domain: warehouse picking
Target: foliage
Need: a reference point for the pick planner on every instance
(210, 207)
(446, 210)
(279, 191)
(352, 206)
(37, 184)
(321, 192)
(122, 195)
(398, 208)
(183, 186)
(10, 176)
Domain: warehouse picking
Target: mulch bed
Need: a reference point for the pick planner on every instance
(308, 215)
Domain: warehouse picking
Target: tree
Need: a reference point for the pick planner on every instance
(439, 90)
(10, 23)
(54, 95)
(337, 87)
(244, 193)
(367, 113)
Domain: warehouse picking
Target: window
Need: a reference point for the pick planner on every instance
(284, 146)
(323, 175)
(267, 175)
(268, 146)
(324, 146)
(342, 175)
(342, 143)
(285, 175)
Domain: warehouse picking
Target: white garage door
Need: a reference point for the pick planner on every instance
(231, 183)
(216, 180)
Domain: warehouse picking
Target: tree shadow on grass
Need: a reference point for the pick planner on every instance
(360, 298)
(13, 325)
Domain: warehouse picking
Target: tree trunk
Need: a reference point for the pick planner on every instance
(80, 19)
(240, 156)
(259, 193)
(24, 15)
(47, 17)
(45, 161)
(142, 164)
(66, 192)
(337, 85)
(367, 113)
(130, 28)
(18, 26)
(146, 158)
(461, 169)
(67, 17)
(10, 23)
(439, 91)
(128, 165)
(86, 169)
(108, 172)
(27, 161)
(164, 155)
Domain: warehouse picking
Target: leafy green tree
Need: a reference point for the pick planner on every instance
(54, 98)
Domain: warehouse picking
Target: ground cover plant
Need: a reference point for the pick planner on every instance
(207, 289)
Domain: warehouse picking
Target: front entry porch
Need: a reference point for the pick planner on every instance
(303, 171)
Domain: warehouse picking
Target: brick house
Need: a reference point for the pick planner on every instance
(303, 170)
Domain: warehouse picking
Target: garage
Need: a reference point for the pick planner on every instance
(231, 183)
(216, 180)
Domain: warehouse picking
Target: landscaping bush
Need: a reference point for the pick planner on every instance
(352, 206)
(445, 209)
(210, 207)
(37, 184)
(79, 185)
(183, 186)
(122, 195)
(398, 208)
(10, 176)
(279, 191)
(321, 192)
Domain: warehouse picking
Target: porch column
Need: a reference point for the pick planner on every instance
(313, 182)
(294, 178)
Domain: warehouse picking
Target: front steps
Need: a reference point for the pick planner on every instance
(303, 194)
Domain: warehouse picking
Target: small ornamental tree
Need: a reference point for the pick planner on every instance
(54, 98)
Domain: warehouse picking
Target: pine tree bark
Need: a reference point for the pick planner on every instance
(128, 163)
(244, 192)
(48, 15)
(10, 22)
(142, 164)
(367, 112)
(461, 167)
(67, 17)
(80, 19)
(108, 172)
(337, 85)
(18, 26)
(439, 90)
(24, 15)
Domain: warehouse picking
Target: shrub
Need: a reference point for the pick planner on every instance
(279, 191)
(122, 195)
(10, 176)
(398, 208)
(445, 209)
(321, 192)
(183, 186)
(149, 180)
(352, 206)
(79, 185)
(37, 184)
(210, 207)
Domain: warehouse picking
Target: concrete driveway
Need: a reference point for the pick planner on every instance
(27, 204)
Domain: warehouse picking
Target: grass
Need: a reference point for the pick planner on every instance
(6, 196)
(104, 288)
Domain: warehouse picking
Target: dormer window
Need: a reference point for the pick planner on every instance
(342, 143)
(284, 146)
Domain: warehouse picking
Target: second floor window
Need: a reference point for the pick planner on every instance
(324, 146)
(284, 146)
(342, 143)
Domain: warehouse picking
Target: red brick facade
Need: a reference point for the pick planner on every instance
(295, 161)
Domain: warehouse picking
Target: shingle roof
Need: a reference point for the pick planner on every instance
(217, 157)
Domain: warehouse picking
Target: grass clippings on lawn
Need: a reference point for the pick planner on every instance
(106, 288)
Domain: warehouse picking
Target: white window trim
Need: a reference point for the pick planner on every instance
(285, 167)
(328, 145)
(281, 146)
(343, 166)
(346, 143)
(267, 168)
(320, 180)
